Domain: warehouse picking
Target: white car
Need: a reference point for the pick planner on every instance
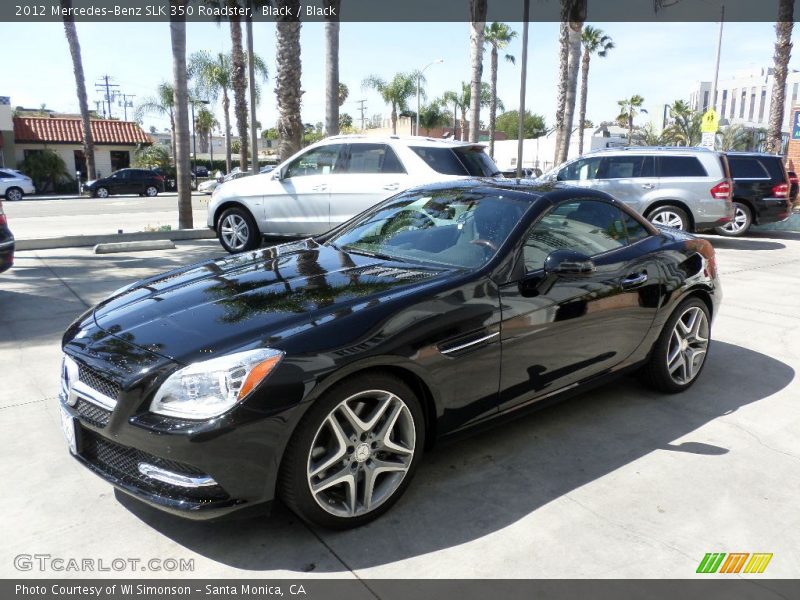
(329, 182)
(14, 185)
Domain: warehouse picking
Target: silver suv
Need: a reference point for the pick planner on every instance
(684, 188)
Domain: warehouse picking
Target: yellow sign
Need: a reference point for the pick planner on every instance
(710, 122)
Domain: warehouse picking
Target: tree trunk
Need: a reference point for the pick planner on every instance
(783, 51)
(463, 123)
(574, 37)
(80, 85)
(394, 119)
(584, 89)
(251, 78)
(493, 105)
(332, 69)
(203, 141)
(177, 31)
(563, 59)
(226, 111)
(172, 133)
(289, 93)
(630, 126)
(239, 84)
(477, 27)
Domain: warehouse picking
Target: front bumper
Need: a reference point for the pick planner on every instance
(6, 255)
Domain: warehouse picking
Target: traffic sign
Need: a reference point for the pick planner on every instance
(710, 121)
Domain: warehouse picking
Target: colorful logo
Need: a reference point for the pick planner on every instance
(720, 562)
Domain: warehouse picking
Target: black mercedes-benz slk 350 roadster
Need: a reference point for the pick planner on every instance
(318, 371)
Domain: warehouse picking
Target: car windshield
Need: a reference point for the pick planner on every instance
(458, 227)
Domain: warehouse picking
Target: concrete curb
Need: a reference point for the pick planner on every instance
(75, 241)
(133, 246)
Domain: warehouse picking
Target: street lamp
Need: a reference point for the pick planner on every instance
(419, 76)
(194, 138)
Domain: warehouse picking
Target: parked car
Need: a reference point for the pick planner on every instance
(762, 191)
(144, 182)
(684, 188)
(14, 185)
(328, 182)
(200, 171)
(266, 169)
(318, 371)
(207, 187)
(526, 173)
(6, 243)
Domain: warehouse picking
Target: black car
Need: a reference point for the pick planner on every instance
(144, 182)
(200, 171)
(319, 370)
(6, 243)
(762, 191)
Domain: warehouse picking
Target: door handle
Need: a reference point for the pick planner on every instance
(391, 186)
(634, 280)
(648, 186)
(320, 188)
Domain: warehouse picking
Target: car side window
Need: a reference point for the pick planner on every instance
(324, 160)
(373, 158)
(625, 167)
(4, 175)
(680, 166)
(580, 170)
(635, 230)
(588, 226)
(747, 168)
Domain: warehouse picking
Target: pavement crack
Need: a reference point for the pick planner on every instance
(26, 403)
(64, 283)
(760, 441)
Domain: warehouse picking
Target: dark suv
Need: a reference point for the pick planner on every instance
(6, 243)
(144, 182)
(761, 191)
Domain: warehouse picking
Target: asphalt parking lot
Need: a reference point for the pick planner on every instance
(619, 482)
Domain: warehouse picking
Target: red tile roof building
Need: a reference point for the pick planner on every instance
(47, 130)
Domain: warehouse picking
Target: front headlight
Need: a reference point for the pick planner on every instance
(209, 388)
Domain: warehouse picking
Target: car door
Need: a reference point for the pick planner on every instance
(118, 182)
(372, 172)
(301, 203)
(558, 330)
(630, 178)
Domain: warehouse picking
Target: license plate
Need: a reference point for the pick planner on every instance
(68, 427)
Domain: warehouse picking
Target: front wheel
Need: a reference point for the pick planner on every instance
(680, 352)
(101, 192)
(13, 194)
(237, 231)
(354, 453)
(742, 219)
(670, 216)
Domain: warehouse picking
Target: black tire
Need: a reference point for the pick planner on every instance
(101, 192)
(742, 220)
(13, 194)
(294, 484)
(664, 214)
(656, 373)
(151, 191)
(239, 217)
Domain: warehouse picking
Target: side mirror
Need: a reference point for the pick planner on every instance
(277, 175)
(568, 262)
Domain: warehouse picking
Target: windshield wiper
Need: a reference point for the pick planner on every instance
(370, 253)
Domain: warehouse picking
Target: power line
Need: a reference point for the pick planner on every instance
(109, 97)
(127, 103)
(362, 108)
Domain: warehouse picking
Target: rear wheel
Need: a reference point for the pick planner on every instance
(742, 219)
(13, 194)
(150, 191)
(679, 354)
(670, 216)
(354, 453)
(237, 231)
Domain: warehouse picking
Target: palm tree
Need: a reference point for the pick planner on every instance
(204, 124)
(594, 42)
(451, 97)
(647, 136)
(177, 30)
(738, 137)
(287, 89)
(783, 52)
(395, 92)
(573, 14)
(239, 84)
(162, 104)
(684, 126)
(212, 77)
(80, 85)
(628, 109)
(332, 86)
(431, 116)
(477, 10)
(498, 36)
(344, 92)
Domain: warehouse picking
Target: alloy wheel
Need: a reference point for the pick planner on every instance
(668, 218)
(361, 453)
(234, 231)
(13, 195)
(738, 223)
(688, 345)
(102, 193)
(151, 191)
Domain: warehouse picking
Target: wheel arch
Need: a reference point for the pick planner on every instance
(13, 187)
(231, 204)
(671, 202)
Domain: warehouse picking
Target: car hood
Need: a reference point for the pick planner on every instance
(254, 298)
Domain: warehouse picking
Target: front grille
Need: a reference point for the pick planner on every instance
(91, 413)
(98, 382)
(122, 463)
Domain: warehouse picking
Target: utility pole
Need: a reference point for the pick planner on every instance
(716, 69)
(522, 83)
(105, 79)
(126, 102)
(97, 107)
(362, 108)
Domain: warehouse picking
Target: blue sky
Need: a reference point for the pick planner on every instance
(660, 61)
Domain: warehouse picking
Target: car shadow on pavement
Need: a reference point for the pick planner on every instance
(474, 487)
(745, 244)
